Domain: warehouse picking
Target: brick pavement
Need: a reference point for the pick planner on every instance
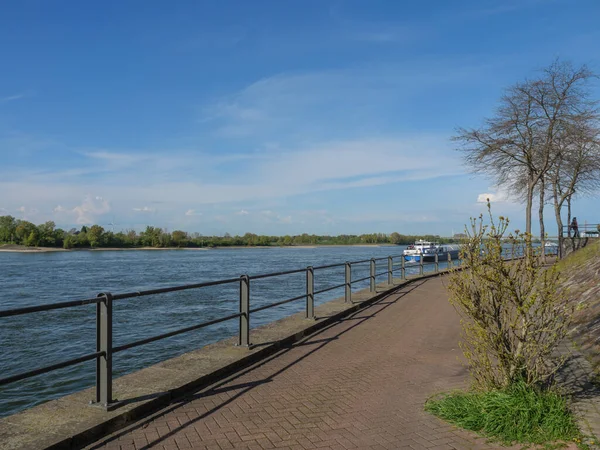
(360, 383)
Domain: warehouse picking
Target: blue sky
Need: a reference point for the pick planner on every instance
(274, 117)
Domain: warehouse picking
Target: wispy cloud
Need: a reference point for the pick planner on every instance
(145, 209)
(192, 212)
(326, 166)
(15, 97)
(11, 98)
(330, 103)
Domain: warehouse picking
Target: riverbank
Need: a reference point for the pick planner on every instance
(24, 249)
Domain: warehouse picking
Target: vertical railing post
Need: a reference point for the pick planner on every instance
(450, 260)
(421, 264)
(310, 292)
(244, 338)
(104, 344)
(403, 269)
(437, 267)
(372, 276)
(348, 287)
(390, 270)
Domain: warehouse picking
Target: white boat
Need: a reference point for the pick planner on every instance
(550, 248)
(427, 251)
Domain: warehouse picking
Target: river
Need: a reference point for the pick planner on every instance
(35, 340)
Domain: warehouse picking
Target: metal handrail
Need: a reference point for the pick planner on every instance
(41, 370)
(329, 266)
(48, 307)
(282, 302)
(276, 274)
(360, 279)
(121, 348)
(174, 289)
(105, 348)
(331, 288)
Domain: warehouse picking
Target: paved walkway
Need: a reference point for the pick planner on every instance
(360, 383)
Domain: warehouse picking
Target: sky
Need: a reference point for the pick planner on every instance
(267, 116)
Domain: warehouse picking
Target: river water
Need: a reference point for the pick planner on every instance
(35, 340)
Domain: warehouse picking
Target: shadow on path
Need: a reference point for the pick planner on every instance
(223, 385)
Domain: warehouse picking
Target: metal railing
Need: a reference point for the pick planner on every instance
(585, 230)
(104, 314)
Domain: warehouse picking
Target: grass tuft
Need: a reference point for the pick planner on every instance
(518, 414)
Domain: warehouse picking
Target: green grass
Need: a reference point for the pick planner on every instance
(580, 257)
(516, 415)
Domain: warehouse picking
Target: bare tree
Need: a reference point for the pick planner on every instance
(523, 142)
(577, 169)
(505, 147)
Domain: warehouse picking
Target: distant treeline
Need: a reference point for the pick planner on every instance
(22, 232)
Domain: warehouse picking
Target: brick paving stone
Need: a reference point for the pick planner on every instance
(359, 384)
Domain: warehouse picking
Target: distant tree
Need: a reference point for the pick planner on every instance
(59, 236)
(46, 236)
(25, 233)
(395, 238)
(180, 238)
(96, 236)
(82, 239)
(70, 241)
(32, 240)
(8, 225)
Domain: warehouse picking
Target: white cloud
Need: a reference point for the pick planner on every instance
(192, 212)
(87, 213)
(498, 197)
(242, 212)
(286, 219)
(144, 209)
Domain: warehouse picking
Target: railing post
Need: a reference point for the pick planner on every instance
(403, 269)
(244, 338)
(390, 270)
(348, 287)
(104, 344)
(449, 260)
(421, 265)
(372, 276)
(310, 292)
(437, 267)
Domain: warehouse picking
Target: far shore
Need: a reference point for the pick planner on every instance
(23, 249)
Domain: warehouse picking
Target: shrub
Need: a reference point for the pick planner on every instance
(513, 315)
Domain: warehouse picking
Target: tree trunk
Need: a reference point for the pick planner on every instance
(569, 215)
(528, 208)
(559, 226)
(541, 216)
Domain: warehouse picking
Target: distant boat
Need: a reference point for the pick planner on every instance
(427, 250)
(551, 248)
